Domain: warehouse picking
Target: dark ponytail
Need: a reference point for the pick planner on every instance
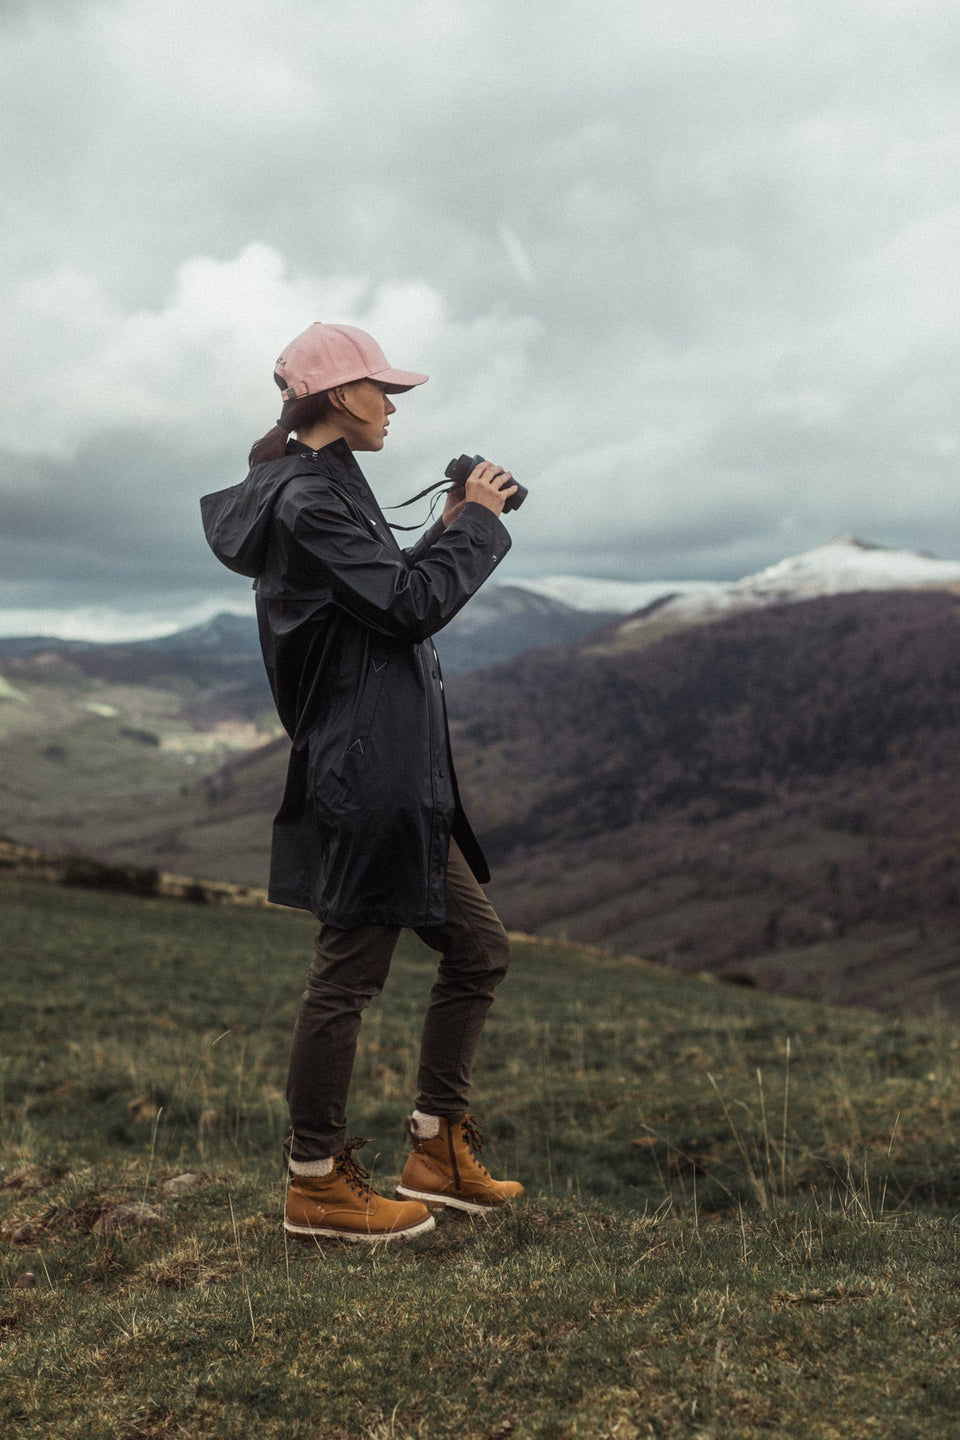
(297, 415)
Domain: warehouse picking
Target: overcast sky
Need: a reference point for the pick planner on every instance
(689, 268)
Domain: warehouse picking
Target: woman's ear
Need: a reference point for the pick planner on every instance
(341, 396)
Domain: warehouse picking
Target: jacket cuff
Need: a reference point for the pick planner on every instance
(483, 527)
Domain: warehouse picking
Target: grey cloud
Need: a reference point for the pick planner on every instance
(120, 514)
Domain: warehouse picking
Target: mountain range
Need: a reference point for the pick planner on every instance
(505, 620)
(756, 779)
(500, 621)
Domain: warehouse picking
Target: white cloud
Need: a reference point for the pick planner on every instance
(104, 624)
(197, 371)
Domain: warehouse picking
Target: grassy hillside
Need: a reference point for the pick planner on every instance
(741, 1212)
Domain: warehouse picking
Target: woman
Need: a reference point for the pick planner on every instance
(370, 836)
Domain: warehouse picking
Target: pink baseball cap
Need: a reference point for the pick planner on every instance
(328, 355)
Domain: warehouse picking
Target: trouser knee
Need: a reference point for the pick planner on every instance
(479, 963)
(498, 955)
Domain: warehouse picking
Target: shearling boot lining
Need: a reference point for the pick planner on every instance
(311, 1169)
(427, 1126)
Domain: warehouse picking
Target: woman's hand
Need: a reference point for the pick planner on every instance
(483, 487)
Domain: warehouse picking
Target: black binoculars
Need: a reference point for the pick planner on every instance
(459, 471)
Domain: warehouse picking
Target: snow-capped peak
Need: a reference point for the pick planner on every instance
(847, 564)
(841, 566)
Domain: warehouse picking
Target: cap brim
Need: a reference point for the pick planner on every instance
(396, 381)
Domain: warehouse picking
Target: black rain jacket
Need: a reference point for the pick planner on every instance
(345, 619)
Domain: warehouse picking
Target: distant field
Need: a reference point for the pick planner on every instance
(86, 762)
(741, 1217)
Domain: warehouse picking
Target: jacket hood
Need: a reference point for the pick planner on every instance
(237, 521)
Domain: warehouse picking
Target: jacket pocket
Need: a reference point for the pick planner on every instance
(374, 674)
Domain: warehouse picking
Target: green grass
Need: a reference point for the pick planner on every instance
(741, 1216)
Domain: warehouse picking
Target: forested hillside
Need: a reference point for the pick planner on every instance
(756, 786)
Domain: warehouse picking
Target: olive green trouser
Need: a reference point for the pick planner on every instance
(349, 969)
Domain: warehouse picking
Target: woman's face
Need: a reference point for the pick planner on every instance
(365, 415)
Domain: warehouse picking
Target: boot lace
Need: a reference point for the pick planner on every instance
(357, 1178)
(473, 1135)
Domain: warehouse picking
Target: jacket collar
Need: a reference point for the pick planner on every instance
(337, 462)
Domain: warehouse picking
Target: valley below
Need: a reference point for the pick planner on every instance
(771, 796)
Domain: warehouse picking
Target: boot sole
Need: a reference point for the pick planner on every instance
(358, 1237)
(432, 1198)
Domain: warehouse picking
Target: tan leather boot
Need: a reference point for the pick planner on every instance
(344, 1206)
(445, 1170)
